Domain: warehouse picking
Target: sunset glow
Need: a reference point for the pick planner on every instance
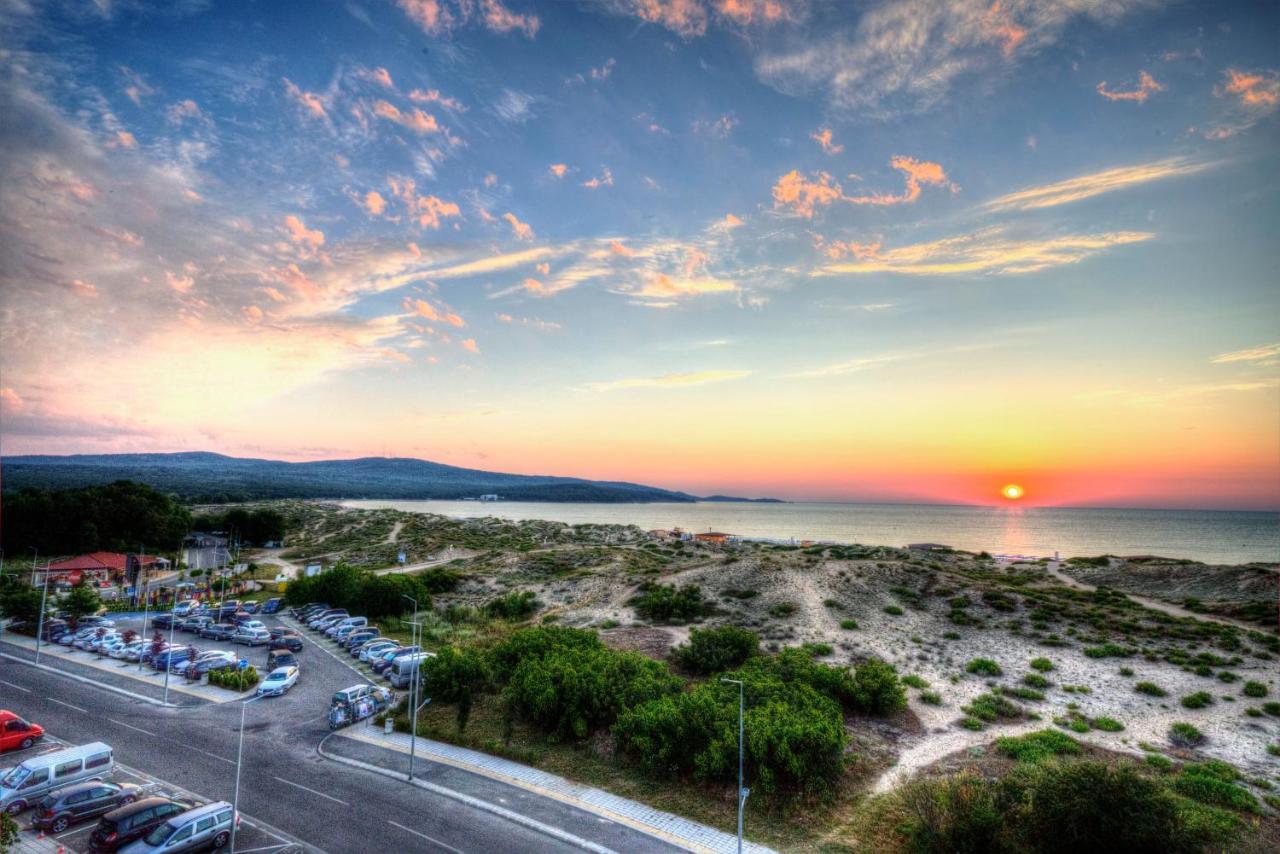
(810, 254)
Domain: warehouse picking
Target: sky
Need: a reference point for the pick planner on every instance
(896, 250)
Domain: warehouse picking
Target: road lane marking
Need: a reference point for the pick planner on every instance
(424, 836)
(312, 791)
(132, 727)
(19, 687)
(68, 705)
(95, 683)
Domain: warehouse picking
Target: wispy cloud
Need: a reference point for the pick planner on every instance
(1252, 96)
(825, 138)
(988, 251)
(849, 366)
(1095, 184)
(440, 17)
(1264, 353)
(520, 230)
(1146, 85)
(803, 196)
(682, 380)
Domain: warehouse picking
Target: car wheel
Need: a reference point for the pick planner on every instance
(26, 742)
(17, 807)
(59, 824)
(127, 799)
(221, 839)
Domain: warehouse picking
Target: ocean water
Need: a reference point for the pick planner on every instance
(1211, 536)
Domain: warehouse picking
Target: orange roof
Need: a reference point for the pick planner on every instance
(113, 561)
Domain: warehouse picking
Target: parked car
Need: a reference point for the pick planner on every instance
(278, 682)
(202, 827)
(293, 643)
(184, 609)
(354, 639)
(216, 660)
(401, 673)
(331, 615)
(109, 648)
(389, 658)
(170, 657)
(30, 780)
(17, 733)
(251, 607)
(254, 624)
(162, 621)
(122, 651)
(281, 658)
(272, 606)
(71, 804)
(369, 652)
(125, 824)
(306, 612)
(251, 637)
(150, 650)
(217, 632)
(97, 642)
(52, 628)
(194, 624)
(98, 622)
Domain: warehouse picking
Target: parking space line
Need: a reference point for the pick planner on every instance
(68, 705)
(264, 848)
(424, 836)
(312, 791)
(132, 727)
(19, 687)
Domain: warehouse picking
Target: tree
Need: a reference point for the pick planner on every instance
(456, 677)
(82, 601)
(719, 649)
(20, 602)
(8, 832)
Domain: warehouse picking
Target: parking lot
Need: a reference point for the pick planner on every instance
(253, 835)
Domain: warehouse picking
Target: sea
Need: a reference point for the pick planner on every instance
(1209, 536)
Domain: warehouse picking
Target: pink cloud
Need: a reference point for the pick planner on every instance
(10, 399)
(433, 96)
(83, 288)
(605, 179)
(616, 248)
(836, 250)
(274, 295)
(374, 204)
(1146, 85)
(826, 139)
(500, 19)
(312, 103)
(252, 313)
(181, 284)
(422, 308)
(311, 238)
(999, 26)
(685, 18)
(521, 230)
(470, 344)
(379, 76)
(491, 180)
(294, 278)
(431, 209)
(437, 17)
(182, 110)
(1256, 89)
(729, 222)
(558, 169)
(123, 139)
(543, 269)
(917, 172)
(416, 120)
(803, 196)
(719, 128)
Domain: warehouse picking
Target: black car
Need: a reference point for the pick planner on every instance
(281, 658)
(293, 643)
(119, 827)
(64, 807)
(217, 631)
(162, 621)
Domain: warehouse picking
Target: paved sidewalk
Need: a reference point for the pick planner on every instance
(670, 828)
(51, 654)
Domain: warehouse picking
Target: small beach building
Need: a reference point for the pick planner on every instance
(110, 567)
(929, 547)
(715, 538)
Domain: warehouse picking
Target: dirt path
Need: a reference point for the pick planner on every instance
(395, 532)
(290, 569)
(1054, 568)
(414, 567)
(935, 746)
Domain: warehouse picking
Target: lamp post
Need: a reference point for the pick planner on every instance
(413, 688)
(743, 791)
(40, 625)
(35, 557)
(146, 612)
(168, 663)
(235, 798)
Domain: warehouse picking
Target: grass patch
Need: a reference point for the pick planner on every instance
(983, 667)
(1151, 689)
(1198, 700)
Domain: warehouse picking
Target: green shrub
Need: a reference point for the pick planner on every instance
(1151, 689)
(1254, 689)
(972, 723)
(515, 606)
(454, 676)
(1159, 761)
(914, 681)
(1126, 671)
(1035, 680)
(984, 667)
(1106, 724)
(893, 610)
(1183, 734)
(959, 813)
(1044, 665)
(877, 688)
(718, 649)
(848, 625)
(991, 707)
(1023, 693)
(782, 610)
(1198, 700)
(932, 698)
(1036, 746)
(1107, 650)
(1209, 786)
(1272, 709)
(665, 604)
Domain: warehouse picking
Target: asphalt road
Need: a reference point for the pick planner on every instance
(284, 781)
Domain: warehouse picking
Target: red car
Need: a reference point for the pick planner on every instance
(17, 734)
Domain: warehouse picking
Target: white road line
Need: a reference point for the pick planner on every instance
(312, 791)
(68, 705)
(95, 683)
(132, 727)
(264, 848)
(19, 687)
(424, 836)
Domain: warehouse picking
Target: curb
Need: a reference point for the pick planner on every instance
(475, 803)
(87, 681)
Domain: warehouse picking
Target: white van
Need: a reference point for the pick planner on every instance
(401, 673)
(28, 781)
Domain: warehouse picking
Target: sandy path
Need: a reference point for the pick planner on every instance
(287, 567)
(935, 746)
(395, 533)
(1054, 568)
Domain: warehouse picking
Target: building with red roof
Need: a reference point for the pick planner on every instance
(98, 566)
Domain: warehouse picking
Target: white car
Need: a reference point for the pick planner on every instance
(122, 651)
(109, 646)
(278, 681)
(135, 650)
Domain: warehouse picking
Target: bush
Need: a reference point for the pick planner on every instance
(848, 625)
(233, 679)
(933, 698)
(665, 604)
(716, 650)
(515, 606)
(893, 610)
(1159, 762)
(960, 813)
(1036, 746)
(914, 681)
(984, 667)
(990, 707)
(1254, 689)
(1035, 680)
(1185, 735)
(1151, 689)
(1209, 785)
(1198, 700)
(877, 689)
(1107, 650)
(1106, 724)
(1044, 665)
(454, 676)
(782, 610)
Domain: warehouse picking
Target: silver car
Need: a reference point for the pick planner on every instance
(202, 827)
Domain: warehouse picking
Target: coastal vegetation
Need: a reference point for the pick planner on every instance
(121, 516)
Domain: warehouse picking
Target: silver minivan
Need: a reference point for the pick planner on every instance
(28, 781)
(401, 672)
(202, 827)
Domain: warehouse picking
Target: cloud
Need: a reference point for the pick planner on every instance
(825, 138)
(906, 56)
(426, 211)
(515, 106)
(803, 196)
(605, 179)
(681, 380)
(847, 367)
(603, 72)
(530, 322)
(83, 288)
(521, 230)
(1094, 184)
(415, 120)
(182, 110)
(373, 203)
(137, 87)
(252, 313)
(422, 308)
(663, 286)
(312, 238)
(988, 251)
(835, 250)
(686, 18)
(1264, 353)
(179, 283)
(491, 264)
(433, 96)
(1146, 85)
(311, 103)
(123, 139)
(720, 128)
(440, 17)
(10, 400)
(559, 170)
(690, 18)
(729, 223)
(1252, 89)
(470, 344)
(379, 76)
(491, 180)
(917, 172)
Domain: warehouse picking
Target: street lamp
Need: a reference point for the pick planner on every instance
(168, 663)
(413, 687)
(743, 791)
(40, 625)
(235, 799)
(35, 557)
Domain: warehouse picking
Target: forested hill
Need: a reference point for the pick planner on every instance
(208, 477)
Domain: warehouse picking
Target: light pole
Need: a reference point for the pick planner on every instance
(35, 557)
(168, 663)
(413, 688)
(40, 625)
(146, 612)
(235, 798)
(743, 791)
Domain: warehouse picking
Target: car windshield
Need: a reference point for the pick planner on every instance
(276, 677)
(160, 834)
(15, 778)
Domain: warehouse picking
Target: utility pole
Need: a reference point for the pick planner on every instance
(413, 689)
(235, 799)
(40, 627)
(743, 791)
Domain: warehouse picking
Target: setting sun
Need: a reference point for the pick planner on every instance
(1012, 492)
